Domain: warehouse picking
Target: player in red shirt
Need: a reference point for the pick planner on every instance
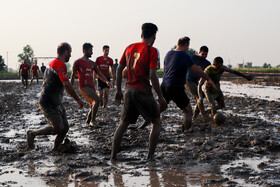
(50, 102)
(140, 59)
(34, 72)
(104, 62)
(85, 67)
(24, 72)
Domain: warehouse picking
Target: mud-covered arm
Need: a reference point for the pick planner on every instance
(199, 87)
(238, 73)
(155, 84)
(70, 90)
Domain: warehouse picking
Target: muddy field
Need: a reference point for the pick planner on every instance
(244, 151)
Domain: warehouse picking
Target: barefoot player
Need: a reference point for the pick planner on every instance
(50, 102)
(85, 67)
(104, 63)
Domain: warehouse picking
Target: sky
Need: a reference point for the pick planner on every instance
(237, 30)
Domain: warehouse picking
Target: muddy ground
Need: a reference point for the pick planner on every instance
(204, 157)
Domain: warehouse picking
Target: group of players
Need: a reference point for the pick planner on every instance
(141, 61)
(24, 71)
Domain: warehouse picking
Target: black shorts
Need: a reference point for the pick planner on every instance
(177, 95)
(102, 85)
(24, 77)
(135, 103)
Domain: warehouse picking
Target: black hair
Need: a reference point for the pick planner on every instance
(63, 47)
(87, 46)
(204, 49)
(106, 47)
(219, 60)
(148, 30)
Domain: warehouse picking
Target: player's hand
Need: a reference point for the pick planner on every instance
(212, 84)
(109, 84)
(162, 104)
(118, 98)
(80, 103)
(249, 77)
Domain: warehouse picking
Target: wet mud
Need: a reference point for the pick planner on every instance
(243, 151)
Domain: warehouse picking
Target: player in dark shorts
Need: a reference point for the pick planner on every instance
(215, 72)
(140, 59)
(192, 81)
(104, 63)
(50, 102)
(176, 65)
(43, 68)
(34, 70)
(24, 72)
(85, 67)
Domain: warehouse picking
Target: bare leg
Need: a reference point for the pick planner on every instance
(154, 136)
(106, 96)
(187, 117)
(118, 138)
(100, 95)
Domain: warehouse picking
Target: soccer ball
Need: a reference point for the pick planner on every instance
(219, 118)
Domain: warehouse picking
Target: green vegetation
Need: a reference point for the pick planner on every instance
(27, 53)
(264, 70)
(9, 73)
(2, 63)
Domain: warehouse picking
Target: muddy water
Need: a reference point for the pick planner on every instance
(243, 151)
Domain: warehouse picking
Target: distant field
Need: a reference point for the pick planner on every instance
(261, 70)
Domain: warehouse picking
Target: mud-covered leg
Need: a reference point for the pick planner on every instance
(187, 118)
(154, 136)
(118, 138)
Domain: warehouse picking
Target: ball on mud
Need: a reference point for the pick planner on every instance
(219, 118)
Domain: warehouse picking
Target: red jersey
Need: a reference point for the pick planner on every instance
(35, 69)
(103, 65)
(85, 70)
(60, 69)
(139, 58)
(24, 69)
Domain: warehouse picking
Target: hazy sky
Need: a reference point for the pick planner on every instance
(237, 30)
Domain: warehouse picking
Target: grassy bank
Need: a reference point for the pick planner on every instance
(259, 70)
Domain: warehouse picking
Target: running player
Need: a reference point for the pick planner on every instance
(104, 62)
(192, 80)
(85, 67)
(34, 70)
(215, 72)
(24, 72)
(140, 59)
(50, 102)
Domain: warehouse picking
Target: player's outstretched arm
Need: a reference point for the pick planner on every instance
(69, 89)
(155, 84)
(248, 77)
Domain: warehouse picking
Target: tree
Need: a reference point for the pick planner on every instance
(265, 65)
(27, 53)
(190, 51)
(2, 63)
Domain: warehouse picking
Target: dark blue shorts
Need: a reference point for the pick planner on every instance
(102, 85)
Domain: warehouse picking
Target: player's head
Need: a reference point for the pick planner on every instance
(116, 60)
(218, 62)
(149, 31)
(106, 49)
(87, 49)
(64, 50)
(25, 61)
(184, 43)
(203, 52)
(42, 64)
